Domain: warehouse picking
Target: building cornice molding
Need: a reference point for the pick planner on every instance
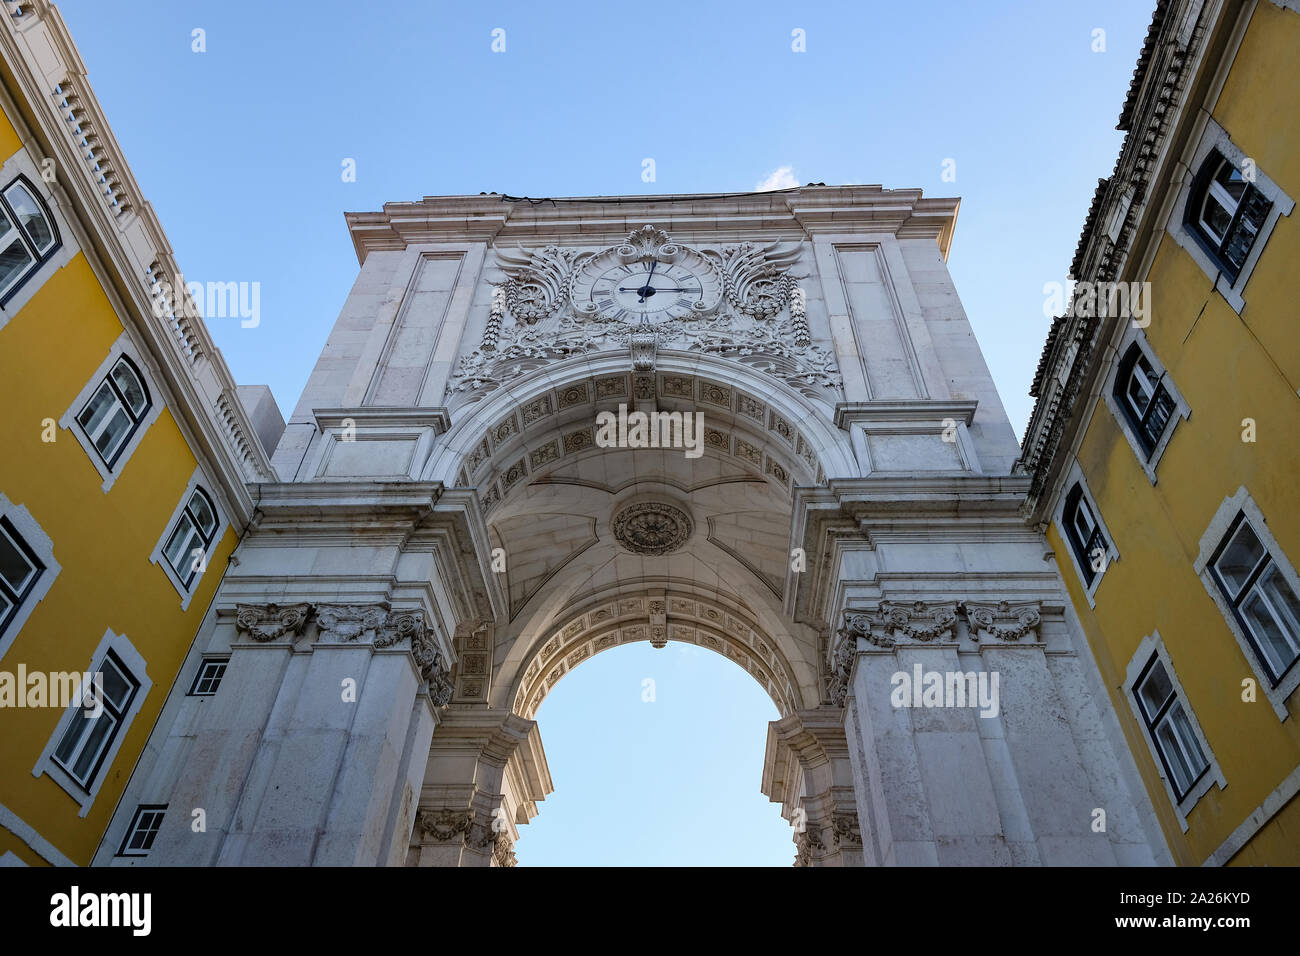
(1159, 116)
(128, 241)
(602, 220)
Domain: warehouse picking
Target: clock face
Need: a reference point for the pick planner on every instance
(648, 288)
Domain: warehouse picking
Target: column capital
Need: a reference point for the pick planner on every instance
(267, 622)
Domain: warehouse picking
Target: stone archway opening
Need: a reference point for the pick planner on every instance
(656, 754)
(599, 547)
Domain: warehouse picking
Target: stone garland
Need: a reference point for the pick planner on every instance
(445, 825)
(348, 623)
(920, 622)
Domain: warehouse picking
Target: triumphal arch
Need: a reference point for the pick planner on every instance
(451, 532)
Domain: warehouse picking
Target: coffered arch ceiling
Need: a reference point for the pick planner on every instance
(578, 524)
(550, 414)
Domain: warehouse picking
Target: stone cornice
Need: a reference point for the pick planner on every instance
(371, 416)
(410, 515)
(912, 410)
(354, 509)
(1182, 49)
(855, 512)
(127, 241)
(697, 217)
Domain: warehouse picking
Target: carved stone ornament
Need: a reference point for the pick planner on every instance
(643, 343)
(399, 626)
(889, 623)
(445, 825)
(503, 851)
(266, 622)
(802, 855)
(845, 830)
(349, 622)
(842, 665)
(749, 311)
(1003, 621)
(651, 528)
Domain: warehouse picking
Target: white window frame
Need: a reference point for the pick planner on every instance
(1181, 409)
(134, 827)
(46, 765)
(1150, 645)
(204, 663)
(22, 164)
(1063, 529)
(39, 542)
(1242, 503)
(1215, 138)
(159, 558)
(122, 347)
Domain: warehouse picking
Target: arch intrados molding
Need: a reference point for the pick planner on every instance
(689, 619)
(828, 443)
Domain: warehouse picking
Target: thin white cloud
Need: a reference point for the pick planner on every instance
(780, 178)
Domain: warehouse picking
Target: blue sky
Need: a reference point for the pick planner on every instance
(240, 149)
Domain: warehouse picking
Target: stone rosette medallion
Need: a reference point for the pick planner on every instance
(651, 528)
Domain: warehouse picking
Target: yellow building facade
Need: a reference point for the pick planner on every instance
(126, 452)
(1165, 442)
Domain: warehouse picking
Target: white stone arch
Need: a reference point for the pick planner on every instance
(827, 443)
(689, 618)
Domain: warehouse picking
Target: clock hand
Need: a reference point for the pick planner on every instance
(648, 279)
(657, 289)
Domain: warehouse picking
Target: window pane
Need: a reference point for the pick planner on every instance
(178, 546)
(68, 745)
(1284, 602)
(117, 686)
(99, 738)
(1239, 559)
(1155, 690)
(1215, 218)
(1158, 414)
(114, 433)
(1271, 614)
(15, 567)
(202, 512)
(30, 217)
(1140, 388)
(1193, 756)
(131, 387)
(5, 606)
(1083, 523)
(14, 261)
(1173, 755)
(99, 407)
(1230, 178)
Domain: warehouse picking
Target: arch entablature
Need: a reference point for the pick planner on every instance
(658, 618)
(548, 417)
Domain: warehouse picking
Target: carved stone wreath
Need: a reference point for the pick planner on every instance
(651, 528)
(762, 325)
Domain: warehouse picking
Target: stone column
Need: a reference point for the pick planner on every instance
(484, 774)
(207, 760)
(807, 767)
(928, 796)
(331, 783)
(962, 749)
(1037, 742)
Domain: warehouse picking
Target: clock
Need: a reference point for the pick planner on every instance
(631, 284)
